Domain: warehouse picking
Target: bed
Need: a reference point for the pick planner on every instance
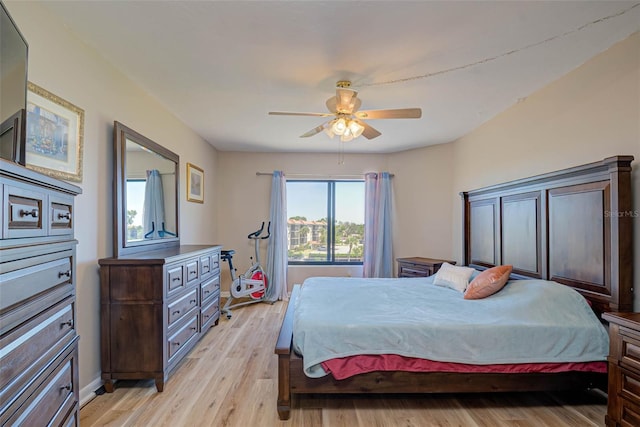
(568, 227)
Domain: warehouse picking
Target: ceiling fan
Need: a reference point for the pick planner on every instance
(348, 121)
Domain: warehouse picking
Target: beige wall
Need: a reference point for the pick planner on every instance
(422, 223)
(587, 115)
(66, 67)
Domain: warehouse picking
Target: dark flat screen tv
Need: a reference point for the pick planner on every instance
(13, 89)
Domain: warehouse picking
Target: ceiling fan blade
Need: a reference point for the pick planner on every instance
(369, 132)
(313, 131)
(401, 113)
(287, 113)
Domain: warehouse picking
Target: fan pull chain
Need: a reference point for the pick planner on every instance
(340, 152)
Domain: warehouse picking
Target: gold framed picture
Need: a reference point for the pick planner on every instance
(55, 132)
(195, 184)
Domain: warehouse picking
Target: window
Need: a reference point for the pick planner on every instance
(326, 222)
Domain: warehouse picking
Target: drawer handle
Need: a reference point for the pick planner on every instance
(193, 301)
(175, 279)
(64, 273)
(207, 291)
(64, 216)
(177, 344)
(33, 213)
(66, 387)
(193, 328)
(68, 323)
(206, 316)
(176, 312)
(191, 273)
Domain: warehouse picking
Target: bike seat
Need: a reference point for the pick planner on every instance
(227, 254)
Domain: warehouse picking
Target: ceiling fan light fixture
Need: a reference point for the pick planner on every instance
(348, 136)
(355, 128)
(339, 126)
(328, 129)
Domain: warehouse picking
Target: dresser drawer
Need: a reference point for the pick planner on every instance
(175, 278)
(23, 284)
(60, 215)
(209, 314)
(415, 271)
(630, 349)
(54, 399)
(23, 209)
(209, 288)
(27, 349)
(215, 261)
(630, 414)
(630, 385)
(181, 306)
(205, 265)
(72, 420)
(419, 267)
(182, 336)
(192, 270)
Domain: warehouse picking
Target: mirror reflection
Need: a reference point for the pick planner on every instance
(150, 194)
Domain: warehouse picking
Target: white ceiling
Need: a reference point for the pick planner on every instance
(220, 66)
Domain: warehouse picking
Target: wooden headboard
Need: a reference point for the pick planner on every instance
(573, 226)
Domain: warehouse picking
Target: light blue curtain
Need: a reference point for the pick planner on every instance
(378, 257)
(277, 256)
(153, 208)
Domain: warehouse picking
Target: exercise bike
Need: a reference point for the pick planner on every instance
(252, 283)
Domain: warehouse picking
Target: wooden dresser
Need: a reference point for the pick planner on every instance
(154, 307)
(38, 338)
(624, 370)
(419, 267)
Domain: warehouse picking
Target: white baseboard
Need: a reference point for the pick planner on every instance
(88, 392)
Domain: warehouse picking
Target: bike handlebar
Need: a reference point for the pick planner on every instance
(268, 231)
(256, 234)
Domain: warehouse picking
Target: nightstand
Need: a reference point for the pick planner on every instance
(419, 267)
(624, 370)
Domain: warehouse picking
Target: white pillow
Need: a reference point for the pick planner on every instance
(453, 277)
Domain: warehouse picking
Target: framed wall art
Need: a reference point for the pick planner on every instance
(55, 132)
(195, 184)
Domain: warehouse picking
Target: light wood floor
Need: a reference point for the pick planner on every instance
(230, 379)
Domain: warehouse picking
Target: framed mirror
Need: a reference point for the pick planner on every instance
(146, 193)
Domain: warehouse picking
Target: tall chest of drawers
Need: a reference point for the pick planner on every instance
(38, 338)
(154, 307)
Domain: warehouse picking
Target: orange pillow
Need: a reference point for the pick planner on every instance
(488, 282)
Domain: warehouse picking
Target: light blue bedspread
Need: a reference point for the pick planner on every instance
(529, 321)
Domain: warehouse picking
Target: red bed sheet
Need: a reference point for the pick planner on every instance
(346, 367)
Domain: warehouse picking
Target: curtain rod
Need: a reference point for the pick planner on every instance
(315, 175)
